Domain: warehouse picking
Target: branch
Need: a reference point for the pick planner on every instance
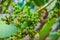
(46, 5)
(43, 18)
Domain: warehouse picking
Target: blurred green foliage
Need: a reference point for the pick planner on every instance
(25, 17)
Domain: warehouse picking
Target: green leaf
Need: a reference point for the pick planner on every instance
(46, 29)
(40, 2)
(53, 35)
(7, 30)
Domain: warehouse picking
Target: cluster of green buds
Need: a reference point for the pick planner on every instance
(9, 19)
(5, 5)
(25, 20)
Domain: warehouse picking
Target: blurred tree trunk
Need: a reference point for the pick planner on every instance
(0, 10)
(0, 1)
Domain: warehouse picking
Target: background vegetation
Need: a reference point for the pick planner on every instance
(29, 19)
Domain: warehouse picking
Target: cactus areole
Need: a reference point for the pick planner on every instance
(7, 30)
